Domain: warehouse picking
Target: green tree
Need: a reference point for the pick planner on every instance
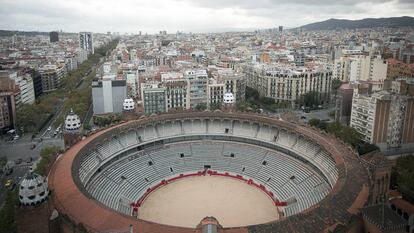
(405, 172)
(252, 94)
(311, 99)
(215, 106)
(336, 83)
(45, 158)
(314, 122)
(201, 107)
(8, 213)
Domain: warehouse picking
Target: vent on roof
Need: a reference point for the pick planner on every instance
(264, 163)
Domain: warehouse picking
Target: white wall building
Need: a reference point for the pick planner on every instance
(25, 83)
(86, 41)
(198, 86)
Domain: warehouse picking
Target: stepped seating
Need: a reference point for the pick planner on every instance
(285, 176)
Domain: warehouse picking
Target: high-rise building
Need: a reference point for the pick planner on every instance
(86, 41)
(37, 82)
(25, 84)
(383, 118)
(108, 96)
(215, 92)
(52, 76)
(54, 36)
(8, 92)
(177, 91)
(132, 84)
(343, 105)
(198, 86)
(153, 98)
(359, 68)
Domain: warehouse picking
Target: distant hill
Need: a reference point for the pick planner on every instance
(332, 24)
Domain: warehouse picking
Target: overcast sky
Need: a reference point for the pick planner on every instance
(151, 16)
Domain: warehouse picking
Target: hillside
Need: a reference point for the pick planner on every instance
(332, 24)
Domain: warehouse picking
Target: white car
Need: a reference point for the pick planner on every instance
(50, 128)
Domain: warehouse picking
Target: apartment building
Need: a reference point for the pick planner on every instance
(198, 81)
(153, 97)
(52, 76)
(289, 84)
(177, 91)
(385, 118)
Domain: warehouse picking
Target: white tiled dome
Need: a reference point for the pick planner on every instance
(128, 105)
(33, 189)
(72, 121)
(228, 98)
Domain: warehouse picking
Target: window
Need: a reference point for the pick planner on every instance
(182, 155)
(232, 155)
(146, 179)
(207, 166)
(243, 169)
(171, 170)
(226, 130)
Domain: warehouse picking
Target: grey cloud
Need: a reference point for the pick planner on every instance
(190, 15)
(249, 4)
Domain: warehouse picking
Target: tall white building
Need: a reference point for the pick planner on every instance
(132, 84)
(366, 68)
(359, 68)
(86, 41)
(198, 86)
(25, 83)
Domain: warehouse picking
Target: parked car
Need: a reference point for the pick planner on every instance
(29, 160)
(19, 161)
